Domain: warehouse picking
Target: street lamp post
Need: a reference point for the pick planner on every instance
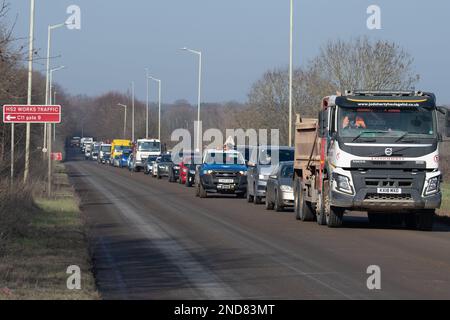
(199, 53)
(159, 104)
(50, 94)
(147, 105)
(124, 119)
(291, 70)
(132, 111)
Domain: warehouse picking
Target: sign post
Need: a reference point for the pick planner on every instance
(34, 114)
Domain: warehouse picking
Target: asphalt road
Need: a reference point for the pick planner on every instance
(155, 240)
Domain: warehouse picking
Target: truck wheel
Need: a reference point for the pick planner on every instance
(304, 210)
(269, 204)
(425, 220)
(202, 191)
(334, 215)
(320, 210)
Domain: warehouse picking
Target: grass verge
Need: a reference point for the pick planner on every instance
(35, 261)
(445, 207)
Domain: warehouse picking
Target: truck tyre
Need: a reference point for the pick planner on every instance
(320, 210)
(334, 215)
(303, 209)
(425, 220)
(202, 191)
(269, 204)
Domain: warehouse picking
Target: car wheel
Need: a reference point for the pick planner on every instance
(249, 197)
(277, 206)
(269, 204)
(202, 191)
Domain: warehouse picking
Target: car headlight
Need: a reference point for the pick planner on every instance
(263, 177)
(433, 185)
(207, 171)
(176, 167)
(192, 171)
(343, 183)
(285, 188)
(243, 173)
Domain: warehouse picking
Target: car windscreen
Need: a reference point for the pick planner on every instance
(224, 158)
(287, 171)
(166, 158)
(106, 148)
(271, 156)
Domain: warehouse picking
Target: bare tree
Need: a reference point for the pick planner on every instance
(363, 64)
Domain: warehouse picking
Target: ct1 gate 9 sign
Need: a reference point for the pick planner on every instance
(31, 114)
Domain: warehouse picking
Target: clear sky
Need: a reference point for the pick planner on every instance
(240, 40)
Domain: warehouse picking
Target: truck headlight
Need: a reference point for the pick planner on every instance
(433, 185)
(285, 188)
(343, 183)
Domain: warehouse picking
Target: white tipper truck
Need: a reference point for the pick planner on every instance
(373, 151)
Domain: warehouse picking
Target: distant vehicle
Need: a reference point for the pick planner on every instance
(75, 142)
(88, 150)
(143, 149)
(84, 141)
(263, 160)
(221, 171)
(279, 192)
(162, 166)
(95, 150)
(174, 172)
(117, 147)
(104, 155)
(374, 151)
(121, 160)
(148, 164)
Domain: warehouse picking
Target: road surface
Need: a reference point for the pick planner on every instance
(155, 240)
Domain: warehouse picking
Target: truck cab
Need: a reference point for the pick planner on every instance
(370, 151)
(222, 171)
(142, 149)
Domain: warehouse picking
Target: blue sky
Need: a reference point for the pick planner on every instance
(240, 40)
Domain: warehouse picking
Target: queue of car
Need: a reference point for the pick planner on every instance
(262, 174)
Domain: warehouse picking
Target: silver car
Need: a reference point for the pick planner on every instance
(263, 161)
(279, 190)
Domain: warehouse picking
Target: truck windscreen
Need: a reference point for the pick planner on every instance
(390, 122)
(149, 146)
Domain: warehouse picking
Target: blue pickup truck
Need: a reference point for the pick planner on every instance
(221, 171)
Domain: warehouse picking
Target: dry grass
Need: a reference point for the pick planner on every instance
(34, 261)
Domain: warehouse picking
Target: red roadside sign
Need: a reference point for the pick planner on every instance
(31, 114)
(56, 156)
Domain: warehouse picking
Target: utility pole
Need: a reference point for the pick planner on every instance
(30, 86)
(124, 119)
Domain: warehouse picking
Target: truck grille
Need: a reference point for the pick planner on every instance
(375, 197)
(393, 183)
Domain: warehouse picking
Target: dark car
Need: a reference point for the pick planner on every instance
(279, 190)
(162, 166)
